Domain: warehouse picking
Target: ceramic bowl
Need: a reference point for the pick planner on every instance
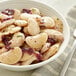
(46, 10)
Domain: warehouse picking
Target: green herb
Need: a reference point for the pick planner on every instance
(33, 10)
(57, 18)
(61, 24)
(19, 36)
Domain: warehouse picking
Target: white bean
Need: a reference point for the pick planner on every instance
(12, 56)
(21, 23)
(17, 14)
(47, 22)
(3, 16)
(17, 40)
(52, 50)
(25, 30)
(45, 47)
(33, 58)
(33, 27)
(6, 23)
(11, 29)
(26, 16)
(37, 41)
(54, 34)
(35, 11)
(3, 50)
(26, 57)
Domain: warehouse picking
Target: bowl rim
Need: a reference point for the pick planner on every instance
(53, 57)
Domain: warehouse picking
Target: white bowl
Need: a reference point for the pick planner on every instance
(46, 10)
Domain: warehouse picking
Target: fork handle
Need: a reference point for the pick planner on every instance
(68, 59)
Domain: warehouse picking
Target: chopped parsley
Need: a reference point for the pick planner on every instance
(19, 36)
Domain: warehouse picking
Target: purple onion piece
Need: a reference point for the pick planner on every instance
(28, 50)
(51, 41)
(26, 11)
(8, 12)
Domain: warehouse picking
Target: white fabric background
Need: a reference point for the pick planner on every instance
(62, 6)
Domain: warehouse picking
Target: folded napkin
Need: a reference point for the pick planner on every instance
(71, 71)
(54, 68)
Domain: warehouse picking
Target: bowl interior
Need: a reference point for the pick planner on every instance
(46, 10)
